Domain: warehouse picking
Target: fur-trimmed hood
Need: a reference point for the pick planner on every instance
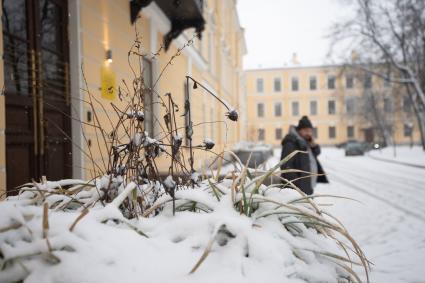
(295, 138)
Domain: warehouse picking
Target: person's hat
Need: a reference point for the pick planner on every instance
(304, 122)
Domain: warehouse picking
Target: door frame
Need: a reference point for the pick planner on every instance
(76, 83)
(77, 107)
(2, 120)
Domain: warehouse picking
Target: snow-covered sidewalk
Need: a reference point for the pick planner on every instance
(403, 154)
(389, 219)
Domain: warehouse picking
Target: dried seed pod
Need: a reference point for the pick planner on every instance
(208, 143)
(232, 115)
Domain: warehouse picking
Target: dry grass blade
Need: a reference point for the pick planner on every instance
(45, 219)
(351, 271)
(83, 213)
(205, 253)
(13, 226)
(320, 196)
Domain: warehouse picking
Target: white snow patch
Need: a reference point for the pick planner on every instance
(413, 155)
(169, 183)
(105, 247)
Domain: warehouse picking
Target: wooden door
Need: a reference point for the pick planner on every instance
(369, 135)
(36, 89)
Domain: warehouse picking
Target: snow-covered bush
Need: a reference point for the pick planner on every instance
(235, 229)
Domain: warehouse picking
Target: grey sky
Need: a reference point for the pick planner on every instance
(275, 29)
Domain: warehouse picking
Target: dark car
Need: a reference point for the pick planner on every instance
(344, 144)
(354, 148)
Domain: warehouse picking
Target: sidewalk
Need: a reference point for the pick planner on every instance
(405, 155)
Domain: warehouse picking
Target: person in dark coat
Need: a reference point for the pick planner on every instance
(301, 138)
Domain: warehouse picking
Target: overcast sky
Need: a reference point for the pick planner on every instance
(275, 29)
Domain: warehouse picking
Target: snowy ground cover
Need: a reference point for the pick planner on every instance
(413, 155)
(389, 219)
(221, 232)
(234, 230)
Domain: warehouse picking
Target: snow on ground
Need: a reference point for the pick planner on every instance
(413, 155)
(389, 221)
(274, 241)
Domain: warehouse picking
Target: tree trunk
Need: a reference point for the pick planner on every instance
(419, 113)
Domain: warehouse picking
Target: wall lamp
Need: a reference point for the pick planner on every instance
(109, 55)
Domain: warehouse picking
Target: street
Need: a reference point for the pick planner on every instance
(388, 220)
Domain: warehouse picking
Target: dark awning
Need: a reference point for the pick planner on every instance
(183, 14)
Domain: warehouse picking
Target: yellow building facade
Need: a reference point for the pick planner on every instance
(84, 37)
(332, 97)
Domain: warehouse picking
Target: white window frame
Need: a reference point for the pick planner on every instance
(317, 107)
(335, 112)
(256, 85)
(292, 108)
(346, 81)
(274, 109)
(298, 84)
(264, 110)
(309, 82)
(327, 82)
(280, 83)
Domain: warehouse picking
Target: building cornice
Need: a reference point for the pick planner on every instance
(163, 25)
(294, 68)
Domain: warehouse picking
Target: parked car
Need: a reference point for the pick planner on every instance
(344, 144)
(257, 153)
(354, 148)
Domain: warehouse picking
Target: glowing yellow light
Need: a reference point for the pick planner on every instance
(109, 56)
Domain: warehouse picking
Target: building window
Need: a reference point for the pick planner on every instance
(260, 110)
(261, 134)
(331, 107)
(349, 82)
(387, 82)
(407, 105)
(295, 108)
(350, 105)
(278, 109)
(313, 107)
(368, 81)
(278, 133)
(350, 132)
(315, 133)
(387, 105)
(260, 85)
(408, 130)
(332, 132)
(331, 82)
(313, 83)
(294, 84)
(277, 85)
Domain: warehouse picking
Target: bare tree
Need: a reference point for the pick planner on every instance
(390, 33)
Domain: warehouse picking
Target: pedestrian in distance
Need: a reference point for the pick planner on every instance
(301, 138)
